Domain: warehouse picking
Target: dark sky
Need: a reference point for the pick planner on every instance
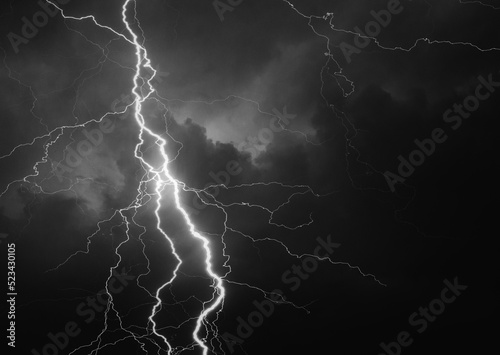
(286, 126)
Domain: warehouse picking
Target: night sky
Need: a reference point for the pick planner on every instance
(249, 176)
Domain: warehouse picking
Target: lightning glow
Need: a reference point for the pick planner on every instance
(161, 177)
(164, 177)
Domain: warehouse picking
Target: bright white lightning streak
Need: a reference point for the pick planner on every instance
(162, 177)
(143, 61)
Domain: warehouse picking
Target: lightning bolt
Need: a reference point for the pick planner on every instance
(161, 177)
(351, 131)
(480, 3)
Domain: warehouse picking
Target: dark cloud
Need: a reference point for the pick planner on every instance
(222, 85)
